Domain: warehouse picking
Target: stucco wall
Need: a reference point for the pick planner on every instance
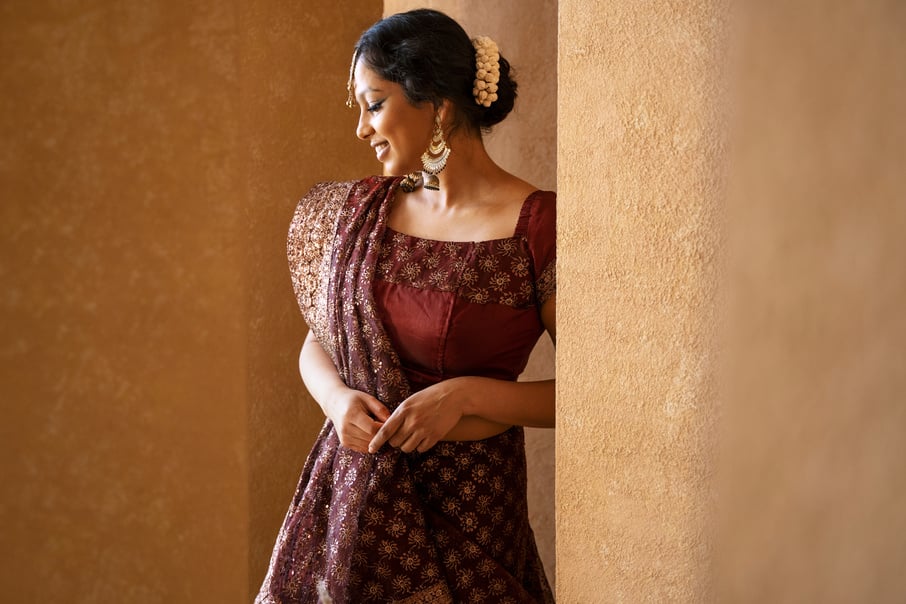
(637, 161)
(524, 144)
(815, 487)
(811, 487)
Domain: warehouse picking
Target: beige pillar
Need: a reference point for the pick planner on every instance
(815, 487)
(524, 144)
(637, 165)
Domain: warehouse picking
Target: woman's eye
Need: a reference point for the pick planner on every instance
(375, 106)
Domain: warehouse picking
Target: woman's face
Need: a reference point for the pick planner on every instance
(397, 131)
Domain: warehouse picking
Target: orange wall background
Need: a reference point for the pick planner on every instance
(638, 159)
(150, 159)
(811, 485)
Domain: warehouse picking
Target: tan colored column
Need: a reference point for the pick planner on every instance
(816, 488)
(637, 160)
(524, 144)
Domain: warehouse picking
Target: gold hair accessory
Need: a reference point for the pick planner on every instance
(350, 98)
(487, 73)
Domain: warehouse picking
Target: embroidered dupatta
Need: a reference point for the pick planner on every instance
(333, 249)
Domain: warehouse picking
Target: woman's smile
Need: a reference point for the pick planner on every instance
(382, 150)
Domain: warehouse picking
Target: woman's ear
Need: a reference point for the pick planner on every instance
(445, 110)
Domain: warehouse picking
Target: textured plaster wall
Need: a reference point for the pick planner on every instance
(638, 163)
(524, 144)
(123, 350)
(297, 131)
(815, 488)
(150, 159)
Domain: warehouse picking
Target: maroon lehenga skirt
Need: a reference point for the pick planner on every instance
(449, 525)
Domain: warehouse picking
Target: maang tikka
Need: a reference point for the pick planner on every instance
(434, 160)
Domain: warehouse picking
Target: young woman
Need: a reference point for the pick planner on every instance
(425, 293)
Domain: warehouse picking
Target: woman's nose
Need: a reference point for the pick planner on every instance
(363, 129)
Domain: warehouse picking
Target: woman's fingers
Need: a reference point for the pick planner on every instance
(411, 444)
(376, 408)
(353, 437)
(363, 422)
(355, 423)
(387, 431)
(426, 445)
(419, 421)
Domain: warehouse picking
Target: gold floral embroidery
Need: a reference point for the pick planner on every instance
(497, 271)
(308, 249)
(547, 282)
(488, 262)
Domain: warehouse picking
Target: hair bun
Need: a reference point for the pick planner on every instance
(487, 70)
(506, 98)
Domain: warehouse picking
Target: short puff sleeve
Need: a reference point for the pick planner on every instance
(541, 237)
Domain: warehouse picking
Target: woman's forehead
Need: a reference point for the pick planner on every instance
(367, 79)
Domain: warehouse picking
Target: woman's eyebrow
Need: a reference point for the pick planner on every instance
(369, 89)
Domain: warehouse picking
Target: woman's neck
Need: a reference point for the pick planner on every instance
(469, 175)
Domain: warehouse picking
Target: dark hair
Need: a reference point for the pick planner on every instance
(432, 58)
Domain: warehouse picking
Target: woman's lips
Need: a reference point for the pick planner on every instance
(381, 150)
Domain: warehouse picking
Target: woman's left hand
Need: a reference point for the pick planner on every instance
(421, 420)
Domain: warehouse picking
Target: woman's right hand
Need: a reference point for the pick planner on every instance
(356, 416)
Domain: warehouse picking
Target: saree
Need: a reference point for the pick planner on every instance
(448, 525)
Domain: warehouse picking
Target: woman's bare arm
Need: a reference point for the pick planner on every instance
(356, 415)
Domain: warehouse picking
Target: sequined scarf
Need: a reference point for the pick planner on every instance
(333, 249)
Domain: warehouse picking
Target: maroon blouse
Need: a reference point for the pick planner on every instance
(455, 308)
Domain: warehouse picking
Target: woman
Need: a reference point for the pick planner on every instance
(425, 293)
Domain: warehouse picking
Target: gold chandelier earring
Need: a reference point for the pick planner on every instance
(434, 160)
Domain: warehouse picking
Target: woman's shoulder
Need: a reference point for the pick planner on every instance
(545, 201)
(539, 212)
(534, 200)
(538, 225)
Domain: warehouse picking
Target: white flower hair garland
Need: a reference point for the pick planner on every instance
(487, 74)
